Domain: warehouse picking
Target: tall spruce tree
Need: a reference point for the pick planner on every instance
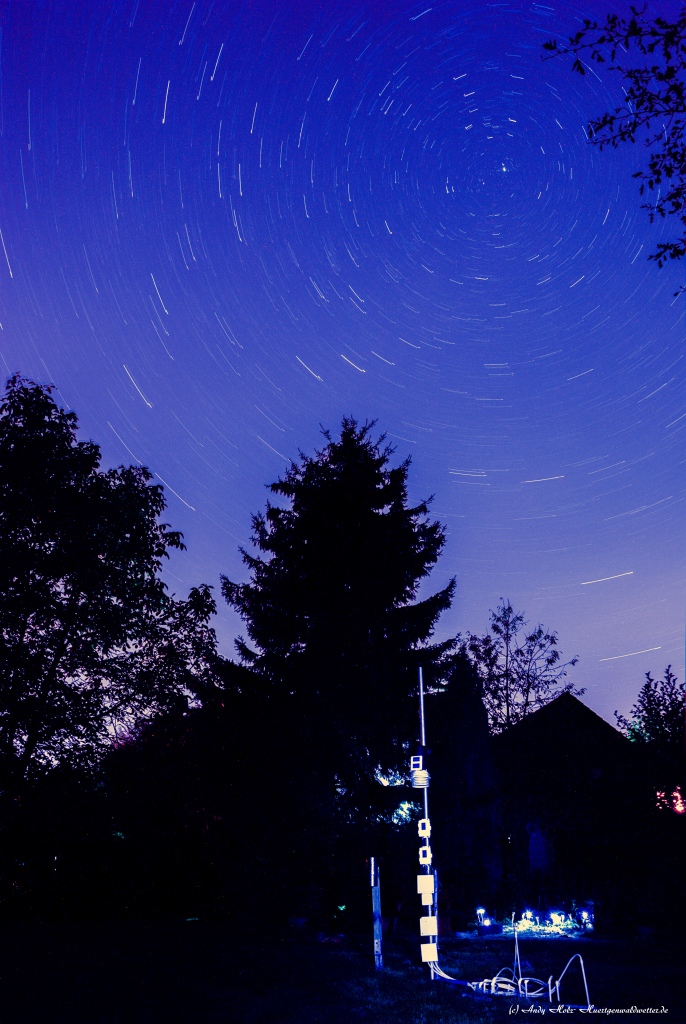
(331, 609)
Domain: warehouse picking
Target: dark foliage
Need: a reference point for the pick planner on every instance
(209, 814)
(658, 714)
(90, 643)
(332, 614)
(520, 670)
(654, 107)
(658, 724)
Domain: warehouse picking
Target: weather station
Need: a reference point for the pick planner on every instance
(509, 981)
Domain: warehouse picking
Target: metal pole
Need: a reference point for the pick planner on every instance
(426, 886)
(422, 733)
(376, 911)
(422, 740)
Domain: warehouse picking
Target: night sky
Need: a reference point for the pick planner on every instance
(225, 224)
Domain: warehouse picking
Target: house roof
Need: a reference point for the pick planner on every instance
(564, 747)
(567, 713)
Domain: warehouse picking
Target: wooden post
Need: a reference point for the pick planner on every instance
(376, 911)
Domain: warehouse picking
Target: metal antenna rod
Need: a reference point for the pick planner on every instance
(422, 737)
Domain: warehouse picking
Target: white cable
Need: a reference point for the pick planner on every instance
(516, 985)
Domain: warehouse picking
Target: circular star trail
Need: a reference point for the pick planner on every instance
(225, 225)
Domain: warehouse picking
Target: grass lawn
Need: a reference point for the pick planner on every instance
(201, 973)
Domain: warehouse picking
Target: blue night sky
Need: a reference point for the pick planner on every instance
(225, 224)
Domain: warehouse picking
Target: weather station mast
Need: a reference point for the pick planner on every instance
(426, 879)
(508, 981)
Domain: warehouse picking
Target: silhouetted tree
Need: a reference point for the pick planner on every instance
(654, 105)
(331, 608)
(89, 637)
(658, 714)
(520, 670)
(658, 723)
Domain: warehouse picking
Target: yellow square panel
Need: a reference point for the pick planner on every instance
(428, 926)
(427, 899)
(425, 883)
(429, 952)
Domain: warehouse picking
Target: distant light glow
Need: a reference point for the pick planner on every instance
(556, 923)
(674, 802)
(404, 813)
(390, 778)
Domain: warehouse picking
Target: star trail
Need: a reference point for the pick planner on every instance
(224, 225)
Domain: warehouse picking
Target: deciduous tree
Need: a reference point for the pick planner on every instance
(657, 723)
(658, 713)
(654, 107)
(520, 669)
(88, 635)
